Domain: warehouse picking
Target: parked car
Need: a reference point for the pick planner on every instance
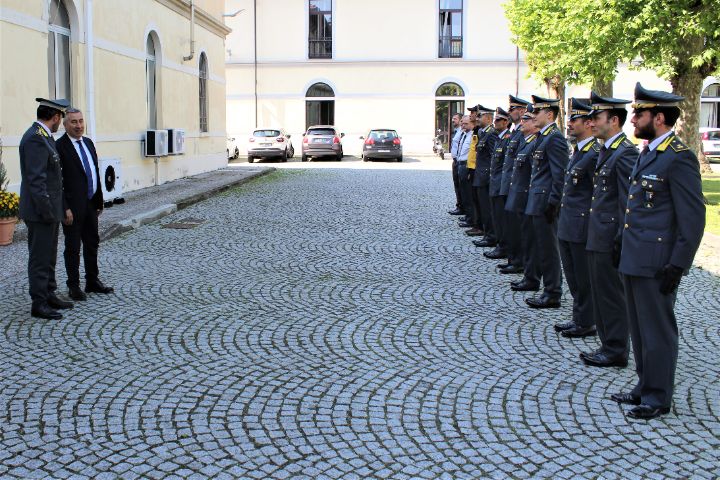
(382, 143)
(322, 141)
(233, 151)
(270, 143)
(711, 142)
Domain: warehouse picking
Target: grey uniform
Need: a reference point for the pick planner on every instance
(513, 220)
(497, 200)
(664, 224)
(487, 140)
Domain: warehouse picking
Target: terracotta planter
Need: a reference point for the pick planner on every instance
(7, 230)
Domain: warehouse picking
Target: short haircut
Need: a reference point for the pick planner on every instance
(620, 113)
(47, 113)
(456, 115)
(73, 110)
(671, 114)
(555, 110)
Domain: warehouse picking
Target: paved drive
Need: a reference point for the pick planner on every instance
(331, 323)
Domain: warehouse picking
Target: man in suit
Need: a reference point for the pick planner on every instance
(41, 206)
(550, 158)
(84, 203)
(497, 200)
(456, 134)
(463, 175)
(664, 224)
(573, 220)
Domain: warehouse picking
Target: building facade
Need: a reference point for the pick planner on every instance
(131, 66)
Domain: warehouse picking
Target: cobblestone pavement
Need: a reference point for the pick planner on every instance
(331, 323)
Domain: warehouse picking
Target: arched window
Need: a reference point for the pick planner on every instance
(319, 105)
(203, 93)
(446, 107)
(59, 50)
(151, 75)
(449, 90)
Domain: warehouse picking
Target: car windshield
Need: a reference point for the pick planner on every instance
(321, 131)
(266, 133)
(713, 135)
(383, 134)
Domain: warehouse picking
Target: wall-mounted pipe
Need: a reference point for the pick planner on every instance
(192, 32)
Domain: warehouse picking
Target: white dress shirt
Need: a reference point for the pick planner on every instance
(89, 157)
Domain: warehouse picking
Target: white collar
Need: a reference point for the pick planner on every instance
(581, 144)
(655, 143)
(610, 140)
(547, 127)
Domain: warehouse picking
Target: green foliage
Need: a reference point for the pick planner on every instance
(4, 180)
(711, 190)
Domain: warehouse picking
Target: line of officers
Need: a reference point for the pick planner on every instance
(623, 226)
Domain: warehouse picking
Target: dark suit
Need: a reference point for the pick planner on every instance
(41, 207)
(497, 200)
(664, 224)
(550, 158)
(487, 140)
(572, 229)
(84, 228)
(513, 221)
(610, 187)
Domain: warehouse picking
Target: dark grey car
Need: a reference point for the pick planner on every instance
(382, 143)
(322, 141)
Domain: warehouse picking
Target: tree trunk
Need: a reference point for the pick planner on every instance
(556, 89)
(604, 88)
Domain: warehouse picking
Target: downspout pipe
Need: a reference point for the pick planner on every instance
(90, 69)
(192, 32)
(255, 59)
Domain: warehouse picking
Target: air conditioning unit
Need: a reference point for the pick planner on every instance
(176, 141)
(156, 143)
(111, 181)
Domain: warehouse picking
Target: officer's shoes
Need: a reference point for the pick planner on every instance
(98, 287)
(625, 398)
(44, 311)
(543, 302)
(54, 302)
(561, 327)
(647, 412)
(601, 359)
(578, 332)
(76, 294)
(526, 287)
(457, 211)
(495, 254)
(512, 269)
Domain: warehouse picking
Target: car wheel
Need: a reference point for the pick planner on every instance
(304, 158)
(292, 152)
(339, 157)
(284, 156)
(399, 159)
(236, 154)
(251, 159)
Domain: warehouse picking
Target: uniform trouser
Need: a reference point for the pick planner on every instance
(654, 334)
(548, 255)
(575, 264)
(84, 230)
(530, 251)
(513, 237)
(456, 184)
(42, 249)
(497, 211)
(482, 204)
(465, 190)
(609, 305)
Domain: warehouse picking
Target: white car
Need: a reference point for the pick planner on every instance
(269, 143)
(233, 151)
(710, 142)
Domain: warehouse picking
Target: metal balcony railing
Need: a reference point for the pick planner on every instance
(450, 47)
(320, 47)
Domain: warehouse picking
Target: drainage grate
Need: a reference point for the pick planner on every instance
(184, 223)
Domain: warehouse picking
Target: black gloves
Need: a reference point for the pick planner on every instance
(551, 212)
(669, 277)
(617, 248)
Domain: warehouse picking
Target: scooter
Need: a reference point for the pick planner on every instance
(438, 145)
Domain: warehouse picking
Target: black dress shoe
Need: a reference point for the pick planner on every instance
(464, 225)
(54, 302)
(542, 302)
(495, 254)
(77, 294)
(577, 331)
(464, 218)
(457, 211)
(646, 412)
(473, 232)
(486, 242)
(561, 327)
(44, 311)
(601, 359)
(512, 269)
(98, 287)
(524, 287)
(626, 398)
(591, 354)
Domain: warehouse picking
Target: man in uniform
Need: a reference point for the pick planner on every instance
(573, 219)
(513, 221)
(550, 158)
(607, 208)
(457, 132)
(664, 224)
(487, 139)
(497, 200)
(41, 206)
(462, 156)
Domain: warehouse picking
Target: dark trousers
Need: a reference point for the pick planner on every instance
(513, 237)
(497, 212)
(482, 204)
(654, 333)
(548, 256)
(530, 250)
(456, 185)
(609, 305)
(42, 249)
(465, 191)
(577, 273)
(84, 230)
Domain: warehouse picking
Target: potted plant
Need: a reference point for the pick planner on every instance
(9, 207)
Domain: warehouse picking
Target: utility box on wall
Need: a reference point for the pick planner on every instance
(156, 143)
(176, 141)
(111, 181)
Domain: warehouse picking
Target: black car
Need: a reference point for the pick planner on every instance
(382, 143)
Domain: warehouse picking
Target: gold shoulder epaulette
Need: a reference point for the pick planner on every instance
(41, 131)
(663, 146)
(617, 142)
(678, 145)
(532, 137)
(628, 143)
(590, 145)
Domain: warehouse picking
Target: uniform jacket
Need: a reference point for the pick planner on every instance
(577, 191)
(610, 189)
(74, 177)
(497, 162)
(41, 186)
(665, 215)
(549, 160)
(517, 140)
(520, 181)
(487, 139)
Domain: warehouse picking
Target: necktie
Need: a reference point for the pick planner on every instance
(645, 150)
(86, 166)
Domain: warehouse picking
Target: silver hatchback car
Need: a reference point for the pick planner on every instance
(322, 141)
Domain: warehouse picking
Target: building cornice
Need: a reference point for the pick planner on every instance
(202, 18)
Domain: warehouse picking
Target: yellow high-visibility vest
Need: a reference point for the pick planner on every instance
(472, 154)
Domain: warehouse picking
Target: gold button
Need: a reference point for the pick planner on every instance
(630, 197)
(634, 182)
(627, 226)
(562, 204)
(627, 210)
(659, 239)
(593, 198)
(591, 209)
(595, 185)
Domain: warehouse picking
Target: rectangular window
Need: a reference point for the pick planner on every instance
(450, 37)
(320, 38)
